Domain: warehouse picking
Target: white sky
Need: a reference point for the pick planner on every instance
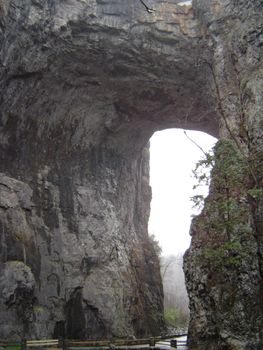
(173, 157)
(182, 3)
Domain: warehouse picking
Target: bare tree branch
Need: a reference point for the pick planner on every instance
(148, 9)
(195, 143)
(167, 263)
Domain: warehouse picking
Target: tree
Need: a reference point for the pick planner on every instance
(175, 295)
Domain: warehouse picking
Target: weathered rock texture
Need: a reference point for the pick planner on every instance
(84, 84)
(224, 265)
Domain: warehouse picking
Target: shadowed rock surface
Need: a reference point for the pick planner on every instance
(224, 263)
(84, 84)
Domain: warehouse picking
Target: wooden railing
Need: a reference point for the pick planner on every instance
(66, 344)
(119, 342)
(47, 343)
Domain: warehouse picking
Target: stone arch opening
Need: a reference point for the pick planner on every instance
(173, 157)
(83, 87)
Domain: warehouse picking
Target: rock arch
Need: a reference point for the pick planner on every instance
(84, 84)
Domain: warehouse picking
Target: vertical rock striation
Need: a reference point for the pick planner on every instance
(83, 85)
(224, 264)
(90, 265)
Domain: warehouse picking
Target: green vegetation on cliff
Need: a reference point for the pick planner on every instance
(227, 217)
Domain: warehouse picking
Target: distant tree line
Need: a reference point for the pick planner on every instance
(176, 309)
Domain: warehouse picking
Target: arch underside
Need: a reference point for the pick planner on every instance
(83, 87)
(106, 77)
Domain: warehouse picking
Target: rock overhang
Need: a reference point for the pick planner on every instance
(84, 84)
(144, 71)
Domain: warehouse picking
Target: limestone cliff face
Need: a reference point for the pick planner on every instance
(74, 257)
(224, 263)
(75, 253)
(84, 84)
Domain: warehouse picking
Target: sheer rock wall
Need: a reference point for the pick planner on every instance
(224, 263)
(84, 84)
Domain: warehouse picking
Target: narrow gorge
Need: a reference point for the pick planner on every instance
(84, 85)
